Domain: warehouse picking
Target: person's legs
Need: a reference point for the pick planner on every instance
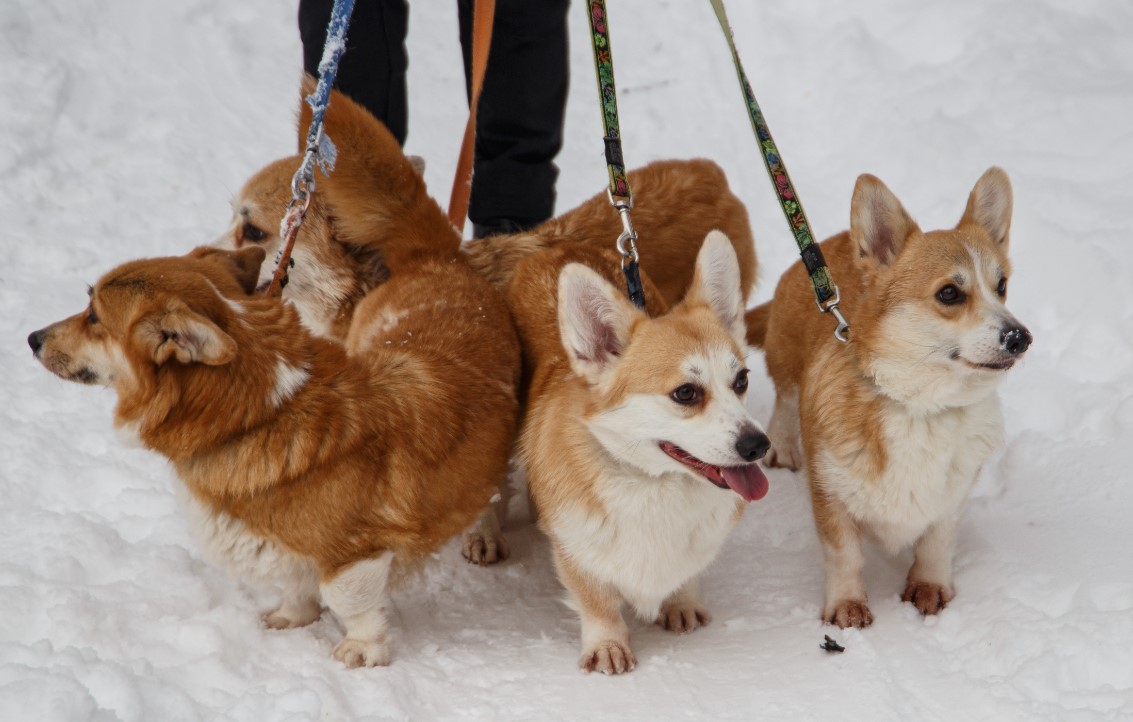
(519, 125)
(372, 70)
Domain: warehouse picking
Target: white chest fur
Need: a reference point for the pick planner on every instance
(931, 464)
(656, 534)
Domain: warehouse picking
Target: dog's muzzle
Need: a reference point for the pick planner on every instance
(1015, 341)
(752, 444)
(35, 340)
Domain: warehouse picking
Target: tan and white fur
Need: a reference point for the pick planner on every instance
(324, 468)
(639, 450)
(676, 203)
(894, 426)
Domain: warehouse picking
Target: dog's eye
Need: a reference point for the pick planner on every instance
(1001, 289)
(950, 295)
(252, 233)
(91, 317)
(740, 384)
(686, 394)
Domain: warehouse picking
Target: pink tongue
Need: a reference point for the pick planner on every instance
(747, 481)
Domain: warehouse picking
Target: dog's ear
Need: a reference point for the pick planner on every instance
(990, 204)
(369, 265)
(244, 264)
(182, 334)
(716, 283)
(595, 322)
(879, 223)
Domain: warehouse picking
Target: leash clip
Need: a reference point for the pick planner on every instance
(832, 307)
(626, 242)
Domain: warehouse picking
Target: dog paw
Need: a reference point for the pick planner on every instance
(292, 616)
(483, 548)
(683, 618)
(782, 460)
(928, 598)
(360, 653)
(608, 657)
(849, 613)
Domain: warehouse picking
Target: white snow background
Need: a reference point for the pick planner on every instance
(127, 125)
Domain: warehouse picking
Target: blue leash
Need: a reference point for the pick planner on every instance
(320, 149)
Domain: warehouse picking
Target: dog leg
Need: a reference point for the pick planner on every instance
(929, 585)
(484, 542)
(844, 562)
(684, 610)
(605, 636)
(783, 430)
(300, 607)
(356, 594)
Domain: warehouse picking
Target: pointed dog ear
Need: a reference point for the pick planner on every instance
(879, 224)
(418, 164)
(716, 283)
(188, 337)
(990, 204)
(595, 322)
(244, 264)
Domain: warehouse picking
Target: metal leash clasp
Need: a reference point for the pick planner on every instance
(832, 307)
(627, 241)
(627, 247)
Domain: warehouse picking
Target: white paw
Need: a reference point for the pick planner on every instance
(848, 613)
(608, 657)
(358, 653)
(292, 616)
(682, 618)
(785, 457)
(481, 547)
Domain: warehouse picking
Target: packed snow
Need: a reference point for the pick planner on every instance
(125, 128)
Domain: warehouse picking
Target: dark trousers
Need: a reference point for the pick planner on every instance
(519, 124)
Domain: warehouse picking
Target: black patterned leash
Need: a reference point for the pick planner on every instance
(621, 197)
(825, 290)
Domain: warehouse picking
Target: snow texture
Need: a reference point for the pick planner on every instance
(128, 125)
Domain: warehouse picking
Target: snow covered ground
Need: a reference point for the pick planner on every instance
(125, 127)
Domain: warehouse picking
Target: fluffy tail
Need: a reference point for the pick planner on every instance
(756, 322)
(495, 257)
(378, 198)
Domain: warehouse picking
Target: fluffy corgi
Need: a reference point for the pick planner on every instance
(894, 426)
(676, 204)
(640, 453)
(322, 468)
(370, 215)
(359, 212)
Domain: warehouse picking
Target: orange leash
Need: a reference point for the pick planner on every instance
(483, 14)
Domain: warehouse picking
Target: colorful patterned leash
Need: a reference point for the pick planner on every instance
(621, 197)
(320, 150)
(825, 290)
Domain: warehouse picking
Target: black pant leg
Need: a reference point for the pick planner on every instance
(372, 70)
(519, 125)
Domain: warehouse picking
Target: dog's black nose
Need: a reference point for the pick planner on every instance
(35, 340)
(1015, 340)
(752, 444)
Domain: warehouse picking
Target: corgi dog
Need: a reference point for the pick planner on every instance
(676, 204)
(325, 469)
(894, 426)
(370, 215)
(639, 450)
(358, 213)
